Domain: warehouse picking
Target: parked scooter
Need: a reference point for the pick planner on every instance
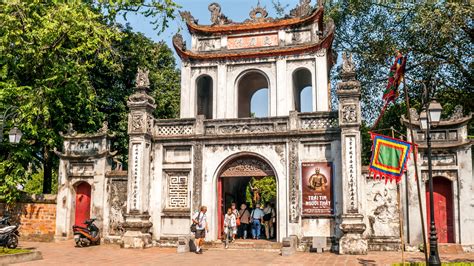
(85, 236)
(9, 234)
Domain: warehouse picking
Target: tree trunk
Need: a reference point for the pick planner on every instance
(47, 171)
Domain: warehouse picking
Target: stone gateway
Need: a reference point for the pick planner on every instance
(220, 145)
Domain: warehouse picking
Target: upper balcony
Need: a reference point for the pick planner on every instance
(294, 124)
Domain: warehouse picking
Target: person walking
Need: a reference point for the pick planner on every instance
(244, 215)
(233, 207)
(230, 226)
(268, 214)
(200, 219)
(256, 217)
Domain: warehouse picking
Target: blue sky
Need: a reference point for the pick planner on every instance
(236, 10)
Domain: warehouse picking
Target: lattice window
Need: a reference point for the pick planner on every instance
(174, 130)
(178, 190)
(318, 123)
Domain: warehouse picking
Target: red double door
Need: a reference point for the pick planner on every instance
(443, 209)
(83, 203)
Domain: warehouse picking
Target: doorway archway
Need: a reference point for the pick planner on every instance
(83, 203)
(443, 202)
(233, 184)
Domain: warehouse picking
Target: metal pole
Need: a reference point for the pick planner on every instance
(415, 160)
(400, 217)
(434, 256)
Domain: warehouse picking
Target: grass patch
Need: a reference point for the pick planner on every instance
(7, 251)
(442, 263)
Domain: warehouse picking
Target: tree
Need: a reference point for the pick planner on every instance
(436, 36)
(114, 86)
(267, 189)
(49, 55)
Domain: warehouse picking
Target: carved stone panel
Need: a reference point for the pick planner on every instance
(197, 169)
(81, 169)
(382, 209)
(137, 122)
(294, 182)
(351, 168)
(117, 189)
(177, 190)
(135, 177)
(252, 41)
(349, 114)
(248, 167)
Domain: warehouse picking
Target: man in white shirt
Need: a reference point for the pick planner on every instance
(200, 219)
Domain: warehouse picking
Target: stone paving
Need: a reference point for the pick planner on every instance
(64, 253)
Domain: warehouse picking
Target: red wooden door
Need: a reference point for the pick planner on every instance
(220, 208)
(83, 203)
(443, 209)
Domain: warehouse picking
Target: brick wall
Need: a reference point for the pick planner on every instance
(37, 217)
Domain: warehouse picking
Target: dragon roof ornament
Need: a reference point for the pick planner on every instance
(217, 18)
(303, 9)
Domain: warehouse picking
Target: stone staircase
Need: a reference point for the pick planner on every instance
(450, 248)
(247, 244)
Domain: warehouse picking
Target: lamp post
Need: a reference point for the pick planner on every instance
(15, 134)
(427, 120)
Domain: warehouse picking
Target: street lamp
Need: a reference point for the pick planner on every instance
(15, 134)
(427, 120)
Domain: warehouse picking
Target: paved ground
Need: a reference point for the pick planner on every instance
(64, 253)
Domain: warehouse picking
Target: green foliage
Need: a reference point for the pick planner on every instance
(419, 263)
(267, 187)
(437, 37)
(7, 251)
(160, 11)
(113, 86)
(34, 185)
(67, 62)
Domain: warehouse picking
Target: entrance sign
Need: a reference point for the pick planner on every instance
(317, 189)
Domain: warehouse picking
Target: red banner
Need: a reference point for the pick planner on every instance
(317, 189)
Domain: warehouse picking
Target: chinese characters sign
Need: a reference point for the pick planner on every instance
(317, 189)
(254, 41)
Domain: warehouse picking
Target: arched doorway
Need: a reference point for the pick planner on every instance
(253, 83)
(83, 203)
(443, 208)
(234, 185)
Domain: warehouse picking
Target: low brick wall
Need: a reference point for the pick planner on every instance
(37, 216)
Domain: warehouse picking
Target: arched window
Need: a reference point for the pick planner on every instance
(302, 90)
(253, 95)
(204, 96)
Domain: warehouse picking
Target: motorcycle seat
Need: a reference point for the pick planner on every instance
(7, 229)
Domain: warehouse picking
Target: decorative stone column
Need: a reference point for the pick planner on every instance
(140, 127)
(352, 224)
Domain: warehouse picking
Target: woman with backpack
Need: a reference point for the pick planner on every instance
(268, 214)
(244, 221)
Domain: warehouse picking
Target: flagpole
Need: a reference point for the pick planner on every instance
(400, 217)
(415, 160)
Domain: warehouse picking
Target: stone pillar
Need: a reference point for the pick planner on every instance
(140, 127)
(352, 224)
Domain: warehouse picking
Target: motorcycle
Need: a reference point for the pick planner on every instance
(86, 236)
(9, 234)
